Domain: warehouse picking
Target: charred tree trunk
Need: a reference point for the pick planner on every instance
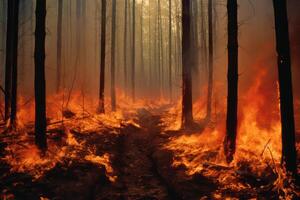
(8, 59)
(14, 75)
(133, 53)
(170, 49)
(232, 77)
(285, 86)
(113, 49)
(187, 108)
(59, 46)
(210, 59)
(102, 57)
(39, 75)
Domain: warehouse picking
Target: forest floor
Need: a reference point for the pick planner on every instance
(139, 168)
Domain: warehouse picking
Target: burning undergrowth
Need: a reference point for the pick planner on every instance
(74, 130)
(256, 169)
(64, 145)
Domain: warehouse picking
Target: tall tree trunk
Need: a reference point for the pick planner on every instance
(102, 57)
(8, 59)
(210, 59)
(285, 86)
(157, 47)
(113, 49)
(59, 46)
(133, 53)
(232, 77)
(3, 37)
(161, 49)
(142, 43)
(39, 75)
(125, 46)
(178, 40)
(150, 68)
(14, 75)
(170, 49)
(187, 108)
(203, 31)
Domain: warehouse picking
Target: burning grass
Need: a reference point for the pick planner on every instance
(256, 166)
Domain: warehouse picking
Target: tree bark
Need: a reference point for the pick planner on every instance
(187, 108)
(102, 57)
(232, 78)
(285, 86)
(59, 46)
(39, 75)
(210, 59)
(113, 49)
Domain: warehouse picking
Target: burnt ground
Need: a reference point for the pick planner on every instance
(144, 170)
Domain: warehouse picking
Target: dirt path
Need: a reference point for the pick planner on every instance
(137, 174)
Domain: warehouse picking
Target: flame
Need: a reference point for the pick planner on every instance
(23, 155)
(258, 148)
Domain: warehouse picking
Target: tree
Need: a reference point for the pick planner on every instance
(285, 86)
(210, 59)
(113, 53)
(133, 53)
(39, 75)
(187, 108)
(232, 78)
(102, 58)
(170, 49)
(11, 69)
(14, 67)
(59, 45)
(8, 59)
(3, 15)
(125, 45)
(142, 41)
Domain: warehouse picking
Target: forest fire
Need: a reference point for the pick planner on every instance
(142, 99)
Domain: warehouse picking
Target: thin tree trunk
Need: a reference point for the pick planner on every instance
(9, 59)
(161, 49)
(157, 50)
(150, 48)
(59, 45)
(170, 49)
(39, 80)
(285, 86)
(14, 75)
(232, 76)
(125, 46)
(142, 43)
(102, 57)
(203, 36)
(210, 59)
(178, 39)
(187, 108)
(113, 49)
(3, 37)
(133, 53)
